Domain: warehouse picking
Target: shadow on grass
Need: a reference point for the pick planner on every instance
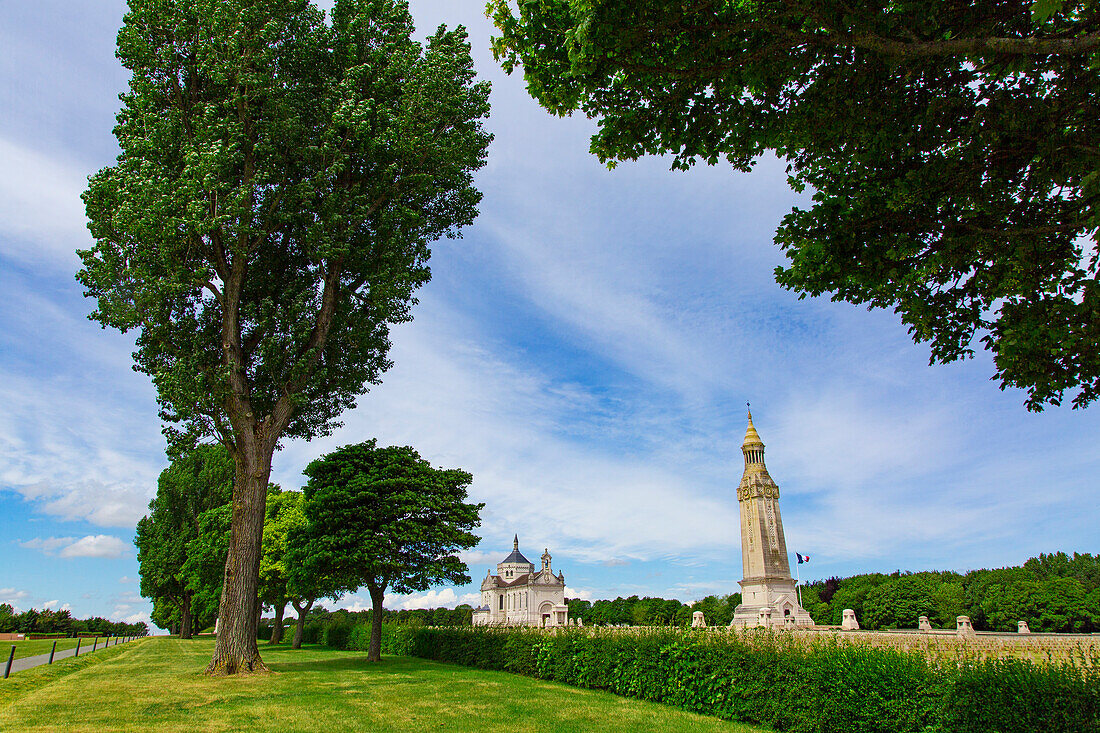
(388, 665)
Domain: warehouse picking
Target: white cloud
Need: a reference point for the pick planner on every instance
(40, 208)
(125, 615)
(428, 599)
(126, 579)
(100, 545)
(584, 594)
(49, 604)
(14, 597)
(47, 545)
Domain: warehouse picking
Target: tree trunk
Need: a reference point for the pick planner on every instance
(300, 626)
(277, 627)
(374, 651)
(236, 650)
(185, 616)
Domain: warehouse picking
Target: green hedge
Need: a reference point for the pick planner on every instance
(779, 680)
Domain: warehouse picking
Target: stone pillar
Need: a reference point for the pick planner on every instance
(923, 625)
(849, 623)
(697, 620)
(963, 627)
(764, 617)
(1021, 627)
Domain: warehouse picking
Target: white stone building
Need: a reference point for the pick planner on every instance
(518, 596)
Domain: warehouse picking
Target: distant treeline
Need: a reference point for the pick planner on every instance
(319, 618)
(1053, 592)
(47, 621)
(647, 611)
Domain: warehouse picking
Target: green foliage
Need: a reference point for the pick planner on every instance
(195, 482)
(269, 215)
(1054, 592)
(773, 680)
(204, 568)
(282, 174)
(635, 611)
(950, 148)
(284, 514)
(384, 518)
(899, 602)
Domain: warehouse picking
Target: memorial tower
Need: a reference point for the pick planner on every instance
(768, 595)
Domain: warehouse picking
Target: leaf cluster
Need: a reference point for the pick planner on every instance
(268, 218)
(951, 148)
(383, 518)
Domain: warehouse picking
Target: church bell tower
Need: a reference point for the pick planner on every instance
(768, 595)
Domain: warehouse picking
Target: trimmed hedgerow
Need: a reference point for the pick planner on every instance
(779, 680)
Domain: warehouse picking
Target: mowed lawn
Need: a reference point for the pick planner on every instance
(158, 685)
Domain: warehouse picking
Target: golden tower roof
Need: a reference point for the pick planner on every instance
(751, 436)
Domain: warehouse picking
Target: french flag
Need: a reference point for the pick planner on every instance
(802, 558)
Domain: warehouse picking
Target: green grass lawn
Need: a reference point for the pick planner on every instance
(157, 685)
(40, 646)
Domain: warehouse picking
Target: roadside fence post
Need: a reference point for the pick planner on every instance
(77, 652)
(95, 643)
(54, 649)
(11, 658)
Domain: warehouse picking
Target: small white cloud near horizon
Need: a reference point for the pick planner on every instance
(14, 597)
(99, 545)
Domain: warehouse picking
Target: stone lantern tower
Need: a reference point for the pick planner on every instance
(767, 590)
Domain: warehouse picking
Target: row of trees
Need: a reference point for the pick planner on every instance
(648, 611)
(1054, 592)
(379, 518)
(49, 621)
(460, 615)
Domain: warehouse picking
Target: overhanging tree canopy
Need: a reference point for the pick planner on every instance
(268, 220)
(952, 148)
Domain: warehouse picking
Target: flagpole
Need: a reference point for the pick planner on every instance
(798, 582)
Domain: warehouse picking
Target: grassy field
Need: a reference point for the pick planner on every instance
(30, 648)
(157, 685)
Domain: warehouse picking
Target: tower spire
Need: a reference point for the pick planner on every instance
(515, 542)
(767, 590)
(752, 446)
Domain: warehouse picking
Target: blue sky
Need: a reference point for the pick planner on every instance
(586, 351)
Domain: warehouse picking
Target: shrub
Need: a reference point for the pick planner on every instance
(311, 633)
(336, 634)
(781, 680)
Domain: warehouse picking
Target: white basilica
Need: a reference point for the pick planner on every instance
(518, 596)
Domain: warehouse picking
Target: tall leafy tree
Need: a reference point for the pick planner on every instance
(284, 512)
(282, 174)
(384, 518)
(196, 481)
(951, 147)
(204, 569)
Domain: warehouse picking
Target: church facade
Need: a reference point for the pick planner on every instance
(518, 596)
(768, 593)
